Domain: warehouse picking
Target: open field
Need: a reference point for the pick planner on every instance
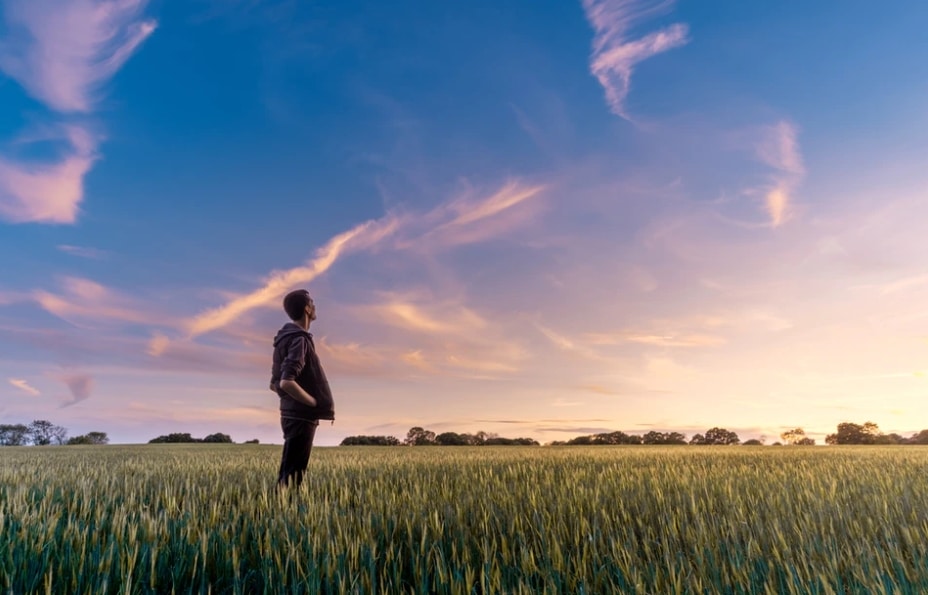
(205, 518)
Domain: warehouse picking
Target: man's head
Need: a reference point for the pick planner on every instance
(298, 304)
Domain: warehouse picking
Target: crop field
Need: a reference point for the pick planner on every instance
(208, 519)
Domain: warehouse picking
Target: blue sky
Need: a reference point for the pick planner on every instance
(536, 219)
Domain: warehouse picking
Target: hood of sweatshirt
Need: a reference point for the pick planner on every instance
(287, 331)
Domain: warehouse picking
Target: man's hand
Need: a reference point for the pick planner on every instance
(296, 391)
(273, 387)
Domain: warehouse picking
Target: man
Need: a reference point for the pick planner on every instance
(298, 379)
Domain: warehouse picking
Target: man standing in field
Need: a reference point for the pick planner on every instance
(298, 379)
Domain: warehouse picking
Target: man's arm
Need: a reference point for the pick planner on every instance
(296, 391)
(290, 369)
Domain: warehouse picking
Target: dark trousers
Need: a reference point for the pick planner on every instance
(298, 443)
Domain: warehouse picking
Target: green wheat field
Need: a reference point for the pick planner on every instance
(208, 519)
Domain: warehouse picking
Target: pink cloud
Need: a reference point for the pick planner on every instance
(279, 282)
(615, 55)
(24, 386)
(83, 300)
(48, 192)
(83, 251)
(779, 149)
(62, 51)
(80, 386)
(459, 221)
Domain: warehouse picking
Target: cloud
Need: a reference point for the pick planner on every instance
(615, 55)
(158, 344)
(459, 221)
(80, 386)
(659, 340)
(779, 149)
(48, 192)
(583, 430)
(278, 283)
(468, 219)
(63, 51)
(508, 196)
(83, 251)
(24, 386)
(423, 315)
(565, 343)
(85, 300)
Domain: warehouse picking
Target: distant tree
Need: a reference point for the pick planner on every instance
(653, 437)
(43, 432)
(752, 442)
(370, 441)
(14, 435)
(698, 439)
(419, 437)
(919, 438)
(675, 438)
(792, 436)
(218, 438)
(851, 433)
(175, 438)
(604, 438)
(90, 438)
(797, 437)
(721, 436)
(451, 439)
(891, 438)
(480, 438)
(499, 441)
(614, 438)
(252, 441)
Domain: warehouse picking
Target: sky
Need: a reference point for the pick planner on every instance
(540, 219)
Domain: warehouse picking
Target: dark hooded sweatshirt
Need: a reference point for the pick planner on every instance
(295, 359)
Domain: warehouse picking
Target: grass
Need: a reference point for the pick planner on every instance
(208, 519)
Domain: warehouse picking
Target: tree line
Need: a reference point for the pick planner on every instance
(418, 436)
(42, 432)
(186, 438)
(846, 433)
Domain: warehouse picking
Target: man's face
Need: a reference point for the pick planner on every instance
(311, 309)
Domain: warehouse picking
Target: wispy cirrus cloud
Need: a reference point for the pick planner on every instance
(472, 217)
(83, 251)
(616, 54)
(435, 337)
(82, 301)
(421, 314)
(462, 220)
(48, 192)
(62, 52)
(362, 236)
(565, 343)
(779, 149)
(24, 386)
